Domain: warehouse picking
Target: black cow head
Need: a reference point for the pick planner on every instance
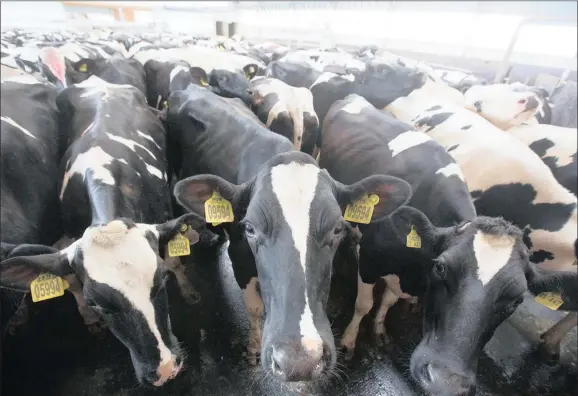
(233, 84)
(288, 219)
(119, 267)
(476, 282)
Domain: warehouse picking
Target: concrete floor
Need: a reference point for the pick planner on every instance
(55, 354)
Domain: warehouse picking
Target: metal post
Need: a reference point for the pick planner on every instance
(221, 28)
(504, 66)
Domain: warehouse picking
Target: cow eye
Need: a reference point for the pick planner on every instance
(249, 230)
(223, 78)
(338, 230)
(440, 269)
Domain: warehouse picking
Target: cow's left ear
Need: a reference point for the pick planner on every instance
(190, 225)
(391, 192)
(250, 71)
(564, 282)
(199, 75)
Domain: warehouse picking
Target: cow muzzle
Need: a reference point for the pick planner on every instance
(168, 370)
(293, 361)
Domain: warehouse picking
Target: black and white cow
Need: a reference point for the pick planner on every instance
(288, 111)
(517, 109)
(504, 176)
(287, 224)
(166, 77)
(465, 264)
(564, 105)
(296, 74)
(30, 150)
(115, 206)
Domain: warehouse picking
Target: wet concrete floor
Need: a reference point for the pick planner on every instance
(55, 354)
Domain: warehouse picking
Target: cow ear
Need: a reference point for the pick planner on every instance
(250, 71)
(564, 282)
(189, 224)
(193, 192)
(408, 220)
(18, 272)
(55, 63)
(199, 75)
(391, 191)
(85, 65)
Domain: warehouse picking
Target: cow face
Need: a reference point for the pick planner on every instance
(231, 84)
(119, 267)
(382, 83)
(476, 282)
(290, 216)
(504, 105)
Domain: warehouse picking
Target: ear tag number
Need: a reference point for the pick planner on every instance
(179, 245)
(83, 68)
(218, 210)
(47, 286)
(204, 82)
(413, 239)
(361, 210)
(550, 300)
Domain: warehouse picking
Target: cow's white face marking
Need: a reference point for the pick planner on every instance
(144, 135)
(492, 254)
(176, 71)
(295, 202)
(18, 126)
(94, 159)
(356, 105)
(131, 144)
(407, 140)
(452, 169)
(123, 259)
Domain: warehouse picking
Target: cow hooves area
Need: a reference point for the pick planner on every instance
(56, 354)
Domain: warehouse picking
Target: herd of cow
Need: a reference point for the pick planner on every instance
(117, 147)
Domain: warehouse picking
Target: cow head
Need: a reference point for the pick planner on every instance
(290, 217)
(478, 275)
(505, 105)
(381, 83)
(120, 269)
(233, 84)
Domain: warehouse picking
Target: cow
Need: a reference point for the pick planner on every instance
(115, 206)
(286, 228)
(505, 177)
(30, 152)
(296, 74)
(287, 111)
(165, 77)
(471, 270)
(521, 110)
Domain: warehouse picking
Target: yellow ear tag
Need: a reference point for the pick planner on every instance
(218, 210)
(83, 68)
(165, 104)
(550, 300)
(179, 245)
(204, 82)
(413, 239)
(361, 210)
(47, 286)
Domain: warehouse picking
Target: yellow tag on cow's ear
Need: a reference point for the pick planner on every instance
(83, 68)
(218, 210)
(550, 300)
(47, 286)
(179, 245)
(204, 82)
(165, 104)
(413, 239)
(361, 210)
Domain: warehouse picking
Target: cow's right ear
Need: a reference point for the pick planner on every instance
(193, 192)
(18, 272)
(199, 75)
(85, 65)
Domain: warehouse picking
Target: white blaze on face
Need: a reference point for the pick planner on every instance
(294, 185)
(407, 140)
(176, 71)
(452, 169)
(492, 254)
(124, 260)
(18, 126)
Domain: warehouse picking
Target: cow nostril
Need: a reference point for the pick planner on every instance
(427, 372)
(522, 101)
(249, 92)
